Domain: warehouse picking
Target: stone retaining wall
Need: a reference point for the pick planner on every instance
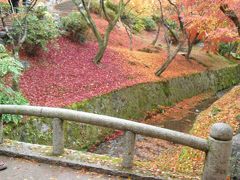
(128, 103)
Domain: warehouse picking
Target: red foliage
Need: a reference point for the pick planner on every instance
(119, 37)
(66, 74)
(113, 136)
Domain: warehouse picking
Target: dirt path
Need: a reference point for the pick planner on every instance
(19, 169)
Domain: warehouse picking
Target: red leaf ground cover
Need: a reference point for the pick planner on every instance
(65, 73)
(119, 37)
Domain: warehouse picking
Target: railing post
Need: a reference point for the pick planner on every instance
(58, 137)
(128, 153)
(218, 157)
(1, 129)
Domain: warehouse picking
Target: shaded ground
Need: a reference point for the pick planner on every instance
(19, 169)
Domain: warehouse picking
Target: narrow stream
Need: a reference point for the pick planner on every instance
(116, 147)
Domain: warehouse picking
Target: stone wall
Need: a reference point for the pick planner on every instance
(129, 103)
(133, 102)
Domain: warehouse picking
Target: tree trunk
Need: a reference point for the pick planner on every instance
(190, 46)
(231, 14)
(176, 41)
(89, 4)
(164, 66)
(129, 33)
(15, 52)
(15, 85)
(169, 60)
(157, 35)
(100, 53)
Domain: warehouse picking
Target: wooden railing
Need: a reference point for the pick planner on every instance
(217, 147)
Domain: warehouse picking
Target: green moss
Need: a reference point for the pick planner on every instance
(39, 131)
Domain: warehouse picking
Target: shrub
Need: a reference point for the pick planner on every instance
(8, 96)
(12, 67)
(95, 7)
(149, 24)
(172, 24)
(5, 7)
(75, 27)
(133, 21)
(111, 14)
(112, 6)
(41, 28)
(138, 25)
(156, 18)
(227, 49)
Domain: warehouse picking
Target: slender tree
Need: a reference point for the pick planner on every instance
(17, 40)
(181, 39)
(102, 40)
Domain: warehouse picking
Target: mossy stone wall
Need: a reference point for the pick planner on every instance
(132, 102)
(129, 103)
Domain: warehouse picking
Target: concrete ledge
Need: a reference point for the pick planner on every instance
(73, 159)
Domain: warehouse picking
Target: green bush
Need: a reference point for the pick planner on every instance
(133, 21)
(149, 24)
(172, 24)
(138, 25)
(112, 6)
(95, 7)
(156, 18)
(75, 27)
(111, 14)
(227, 49)
(8, 96)
(5, 7)
(41, 28)
(12, 67)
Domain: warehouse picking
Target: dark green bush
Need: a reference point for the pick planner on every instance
(111, 14)
(156, 18)
(95, 7)
(41, 28)
(75, 27)
(149, 24)
(5, 7)
(172, 24)
(112, 6)
(138, 25)
(227, 49)
(133, 21)
(12, 67)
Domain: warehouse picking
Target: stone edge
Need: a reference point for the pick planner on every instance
(54, 160)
